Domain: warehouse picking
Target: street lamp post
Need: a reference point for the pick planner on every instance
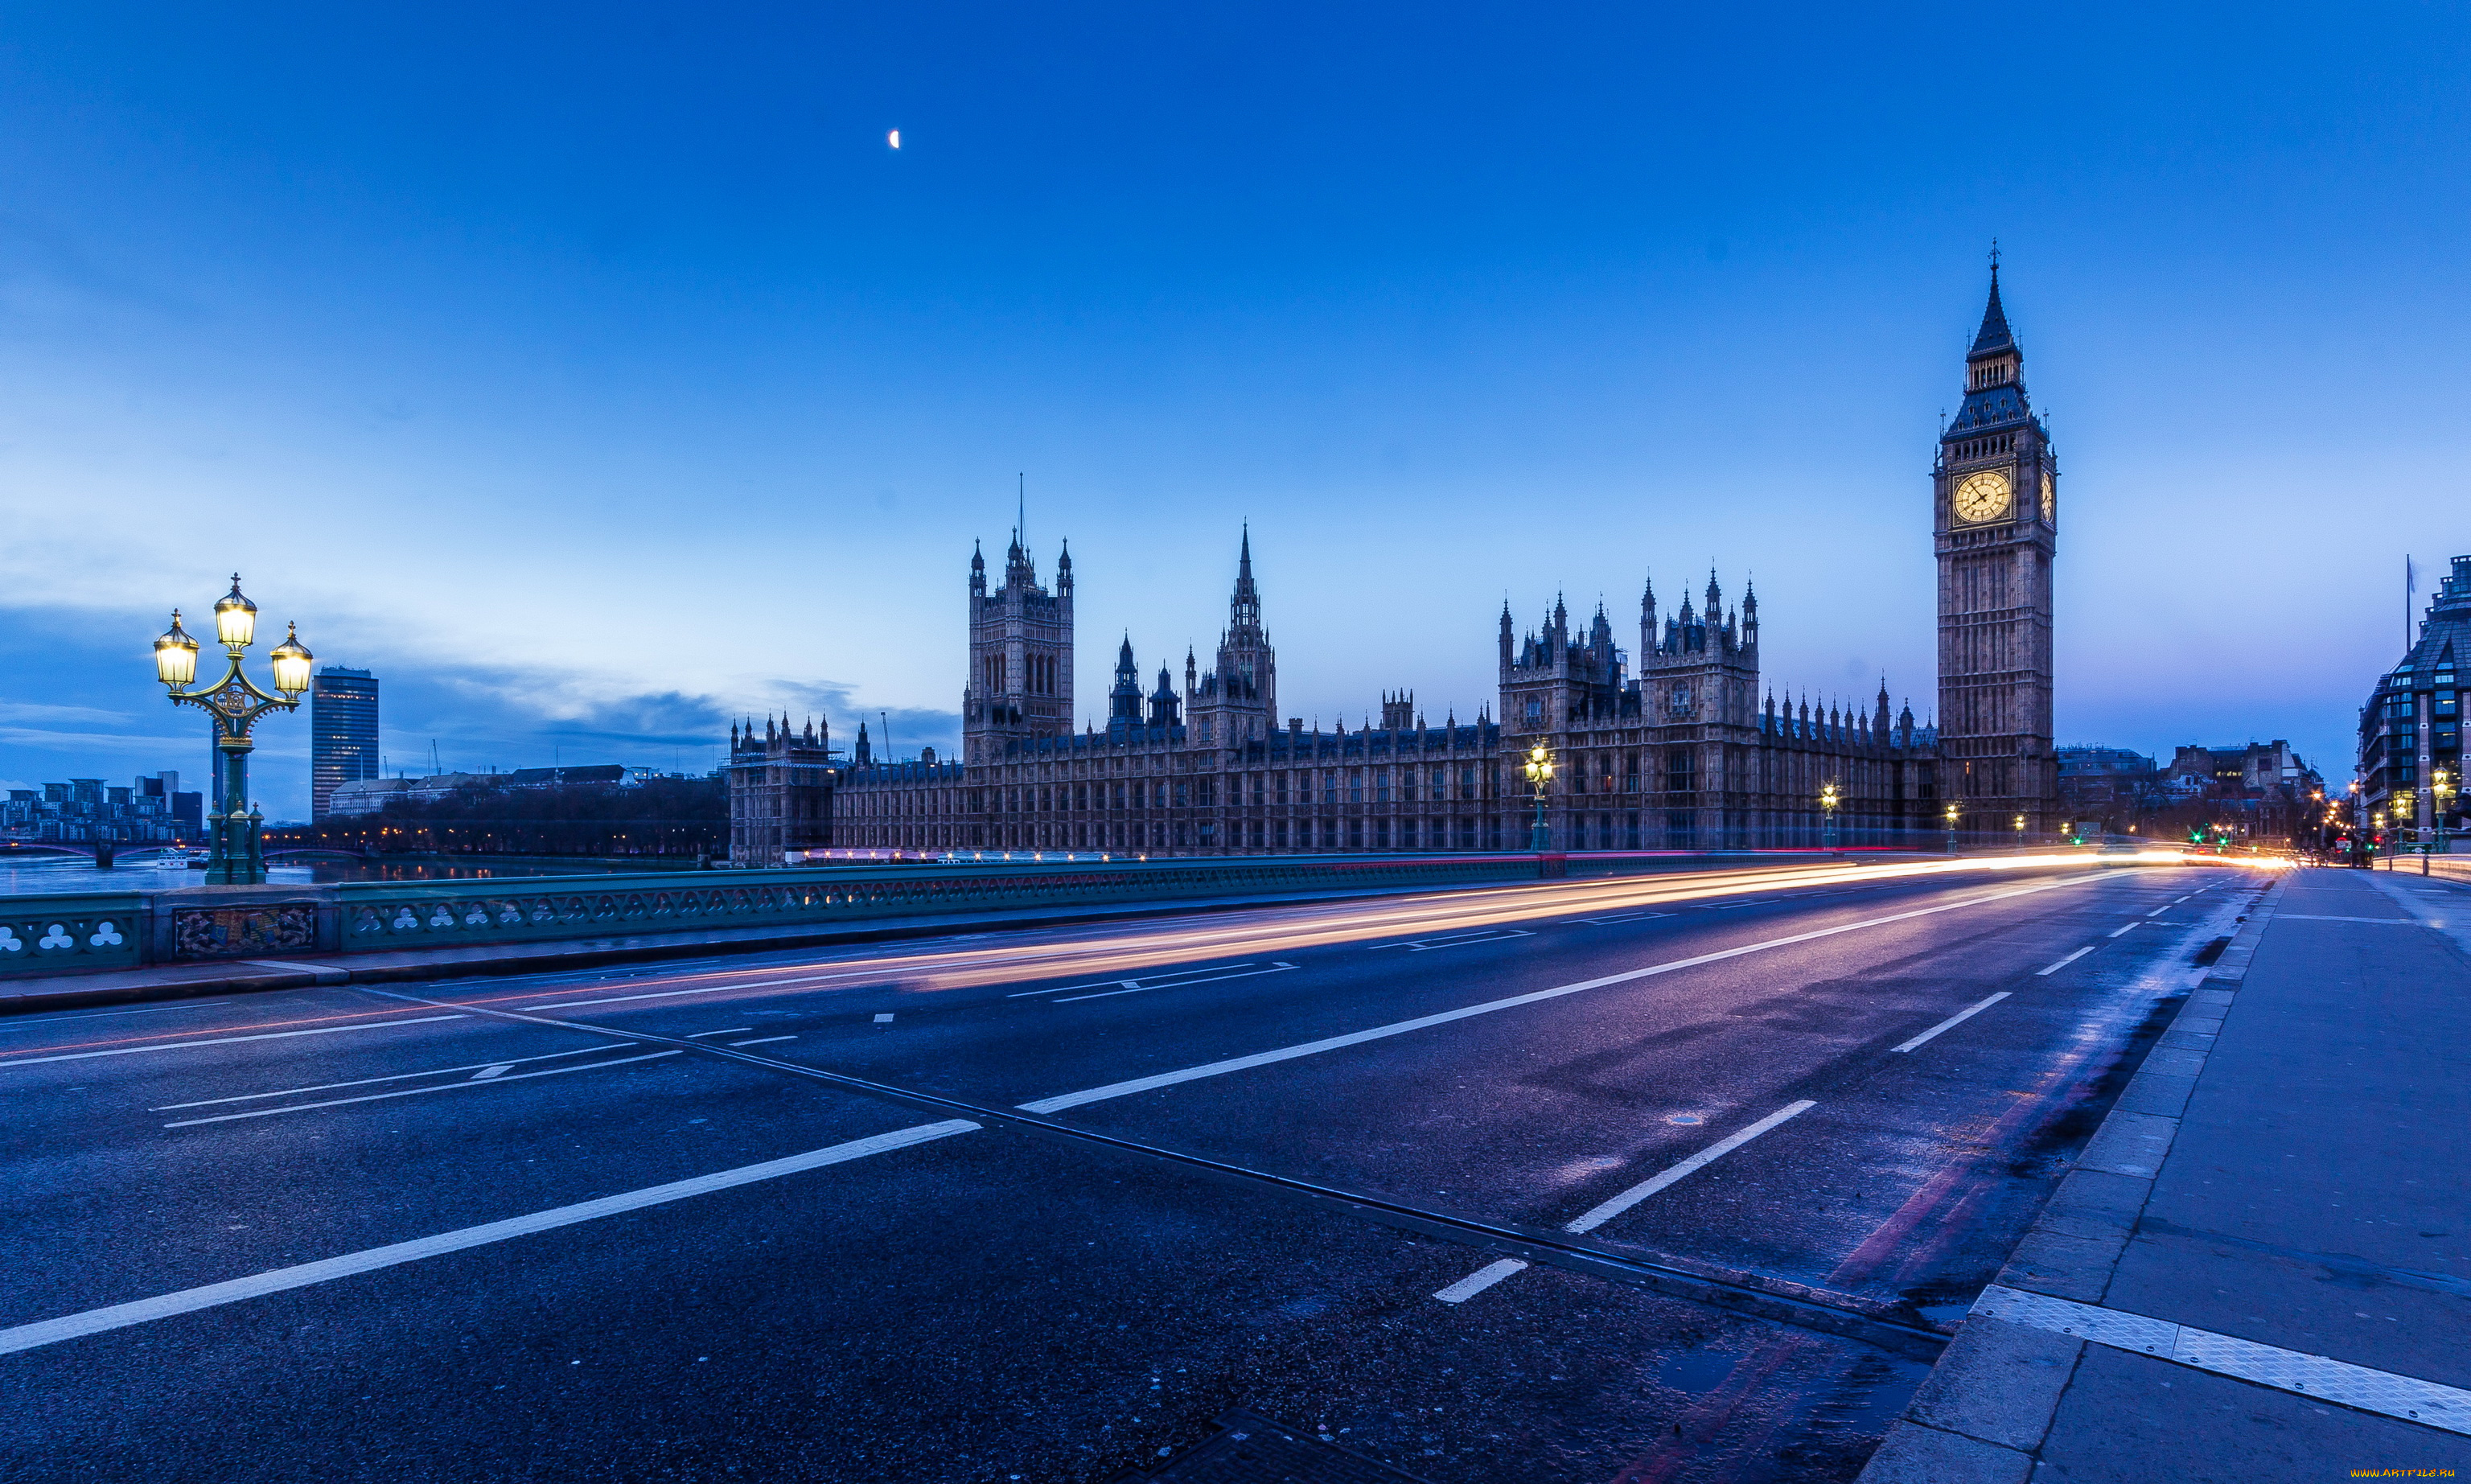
(1828, 802)
(234, 702)
(2020, 831)
(2440, 786)
(1539, 776)
(1951, 829)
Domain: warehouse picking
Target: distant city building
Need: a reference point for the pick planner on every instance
(187, 810)
(343, 733)
(365, 796)
(88, 812)
(2411, 729)
(1679, 754)
(2264, 788)
(370, 795)
(2105, 788)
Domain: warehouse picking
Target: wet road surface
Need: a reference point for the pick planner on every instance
(1039, 1206)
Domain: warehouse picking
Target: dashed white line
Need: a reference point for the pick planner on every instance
(15, 1023)
(2064, 962)
(1957, 1019)
(1165, 978)
(884, 1019)
(763, 1041)
(1126, 1088)
(2131, 926)
(184, 1045)
(1481, 1278)
(1133, 988)
(1699, 1161)
(95, 1321)
(414, 1092)
(400, 1076)
(734, 1030)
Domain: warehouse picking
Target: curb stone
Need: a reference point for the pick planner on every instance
(1981, 1416)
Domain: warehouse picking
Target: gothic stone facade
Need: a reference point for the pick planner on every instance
(1684, 751)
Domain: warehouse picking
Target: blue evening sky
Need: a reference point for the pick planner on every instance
(595, 375)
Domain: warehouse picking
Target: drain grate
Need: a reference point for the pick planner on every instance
(1253, 1450)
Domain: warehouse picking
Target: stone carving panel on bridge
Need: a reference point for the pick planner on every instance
(245, 932)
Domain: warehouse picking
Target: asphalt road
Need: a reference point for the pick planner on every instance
(840, 1215)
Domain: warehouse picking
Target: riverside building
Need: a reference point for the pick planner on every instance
(1671, 746)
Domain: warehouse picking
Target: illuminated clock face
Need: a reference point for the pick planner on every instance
(1982, 496)
(2050, 501)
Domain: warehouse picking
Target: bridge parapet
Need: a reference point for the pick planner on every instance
(203, 924)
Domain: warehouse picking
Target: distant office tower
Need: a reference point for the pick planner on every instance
(343, 733)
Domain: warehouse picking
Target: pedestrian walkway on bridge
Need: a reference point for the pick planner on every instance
(2260, 1269)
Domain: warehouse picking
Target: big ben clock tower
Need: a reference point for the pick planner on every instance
(1995, 526)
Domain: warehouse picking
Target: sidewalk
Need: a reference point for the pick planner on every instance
(2280, 1205)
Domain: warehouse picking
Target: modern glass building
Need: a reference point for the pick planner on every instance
(343, 733)
(2411, 730)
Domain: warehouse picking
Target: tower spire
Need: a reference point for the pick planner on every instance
(1994, 335)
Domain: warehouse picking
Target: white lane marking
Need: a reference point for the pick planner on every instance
(1132, 988)
(488, 1074)
(2159, 910)
(1956, 1020)
(1481, 1278)
(2064, 962)
(717, 989)
(1634, 917)
(884, 1019)
(414, 1092)
(184, 1045)
(2383, 1392)
(95, 1321)
(1125, 1089)
(730, 1031)
(1699, 1161)
(96, 1015)
(400, 1076)
(1157, 980)
(1464, 940)
(2131, 926)
(2382, 921)
(763, 1041)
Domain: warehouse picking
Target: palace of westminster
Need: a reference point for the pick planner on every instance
(1683, 754)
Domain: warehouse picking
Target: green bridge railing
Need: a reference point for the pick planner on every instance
(72, 934)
